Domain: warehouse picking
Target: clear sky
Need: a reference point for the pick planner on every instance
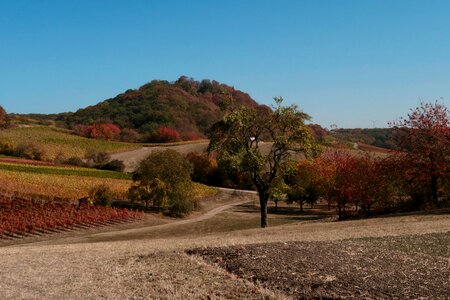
(343, 62)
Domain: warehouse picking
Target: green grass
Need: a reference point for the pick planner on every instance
(54, 142)
(85, 172)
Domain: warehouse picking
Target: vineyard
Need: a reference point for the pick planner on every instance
(57, 186)
(21, 217)
(62, 170)
(56, 143)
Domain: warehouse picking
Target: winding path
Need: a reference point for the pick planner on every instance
(229, 194)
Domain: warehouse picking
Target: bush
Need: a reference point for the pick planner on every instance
(4, 121)
(97, 158)
(114, 165)
(129, 135)
(75, 161)
(181, 200)
(164, 135)
(205, 168)
(29, 151)
(104, 131)
(101, 195)
(6, 149)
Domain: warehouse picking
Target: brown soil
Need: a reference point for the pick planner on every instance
(407, 267)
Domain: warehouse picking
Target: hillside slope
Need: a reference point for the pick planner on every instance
(186, 105)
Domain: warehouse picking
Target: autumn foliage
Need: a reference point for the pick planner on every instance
(164, 135)
(104, 131)
(22, 216)
(424, 137)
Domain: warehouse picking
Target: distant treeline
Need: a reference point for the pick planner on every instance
(379, 137)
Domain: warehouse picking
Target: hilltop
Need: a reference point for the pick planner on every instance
(187, 106)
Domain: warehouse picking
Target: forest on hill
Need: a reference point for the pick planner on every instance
(184, 109)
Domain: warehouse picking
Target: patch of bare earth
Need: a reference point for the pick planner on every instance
(404, 267)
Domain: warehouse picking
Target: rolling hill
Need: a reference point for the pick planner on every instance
(187, 106)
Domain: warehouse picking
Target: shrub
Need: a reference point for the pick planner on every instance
(75, 161)
(114, 165)
(191, 136)
(105, 131)
(101, 195)
(4, 121)
(164, 135)
(29, 151)
(97, 158)
(6, 149)
(129, 135)
(205, 168)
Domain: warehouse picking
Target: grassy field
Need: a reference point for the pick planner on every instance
(56, 142)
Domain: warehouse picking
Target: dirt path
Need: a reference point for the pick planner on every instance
(232, 197)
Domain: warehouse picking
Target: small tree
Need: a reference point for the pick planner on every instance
(4, 121)
(205, 168)
(278, 192)
(302, 187)
(101, 195)
(163, 178)
(239, 136)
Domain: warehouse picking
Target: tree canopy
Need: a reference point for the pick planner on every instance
(424, 135)
(258, 141)
(164, 179)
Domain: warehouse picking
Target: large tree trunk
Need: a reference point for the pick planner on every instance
(434, 189)
(263, 198)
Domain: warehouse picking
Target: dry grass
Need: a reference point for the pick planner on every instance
(157, 268)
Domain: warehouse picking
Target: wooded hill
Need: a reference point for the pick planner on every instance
(186, 105)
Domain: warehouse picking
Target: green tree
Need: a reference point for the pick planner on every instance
(164, 179)
(259, 142)
(101, 195)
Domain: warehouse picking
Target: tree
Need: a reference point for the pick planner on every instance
(164, 179)
(4, 121)
(101, 195)
(205, 168)
(302, 187)
(239, 137)
(425, 138)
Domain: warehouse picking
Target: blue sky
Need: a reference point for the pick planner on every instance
(343, 62)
